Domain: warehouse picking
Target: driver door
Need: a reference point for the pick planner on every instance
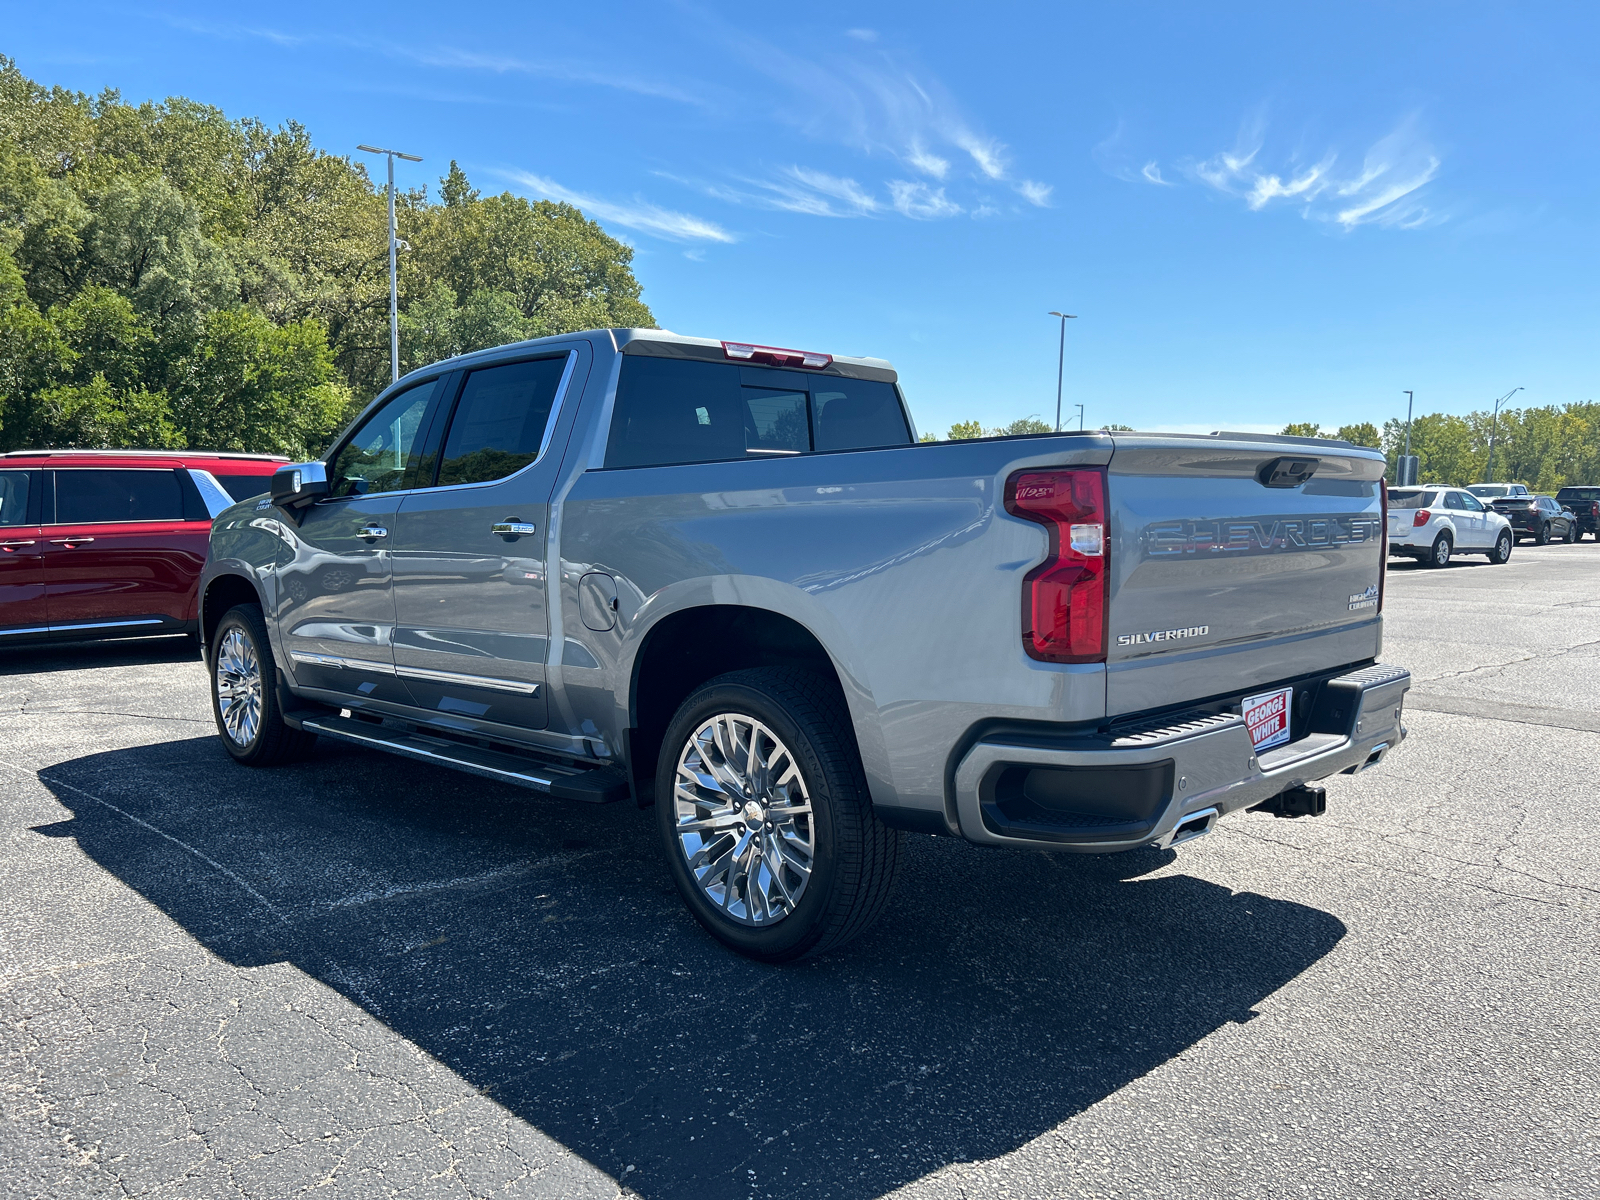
(336, 589)
(1473, 511)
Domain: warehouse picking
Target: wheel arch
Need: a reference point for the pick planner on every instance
(695, 643)
(221, 593)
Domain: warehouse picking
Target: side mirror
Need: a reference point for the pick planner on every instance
(299, 484)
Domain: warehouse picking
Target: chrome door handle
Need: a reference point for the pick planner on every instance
(514, 529)
(372, 531)
(70, 541)
(29, 542)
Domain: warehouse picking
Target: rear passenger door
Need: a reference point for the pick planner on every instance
(121, 551)
(22, 610)
(472, 628)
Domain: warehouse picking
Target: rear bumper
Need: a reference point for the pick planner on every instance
(1170, 780)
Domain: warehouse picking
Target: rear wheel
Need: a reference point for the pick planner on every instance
(765, 818)
(1573, 534)
(1542, 538)
(244, 693)
(1501, 553)
(1439, 556)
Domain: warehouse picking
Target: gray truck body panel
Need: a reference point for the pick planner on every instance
(904, 566)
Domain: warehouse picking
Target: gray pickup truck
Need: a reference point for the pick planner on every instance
(728, 581)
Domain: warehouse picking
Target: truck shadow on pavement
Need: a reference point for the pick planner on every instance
(537, 948)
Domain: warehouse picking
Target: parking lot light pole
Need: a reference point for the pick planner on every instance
(394, 291)
(1409, 398)
(1494, 424)
(1061, 361)
(1080, 418)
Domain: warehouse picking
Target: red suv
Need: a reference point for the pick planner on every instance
(110, 543)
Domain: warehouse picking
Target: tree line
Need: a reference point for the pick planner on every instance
(1545, 447)
(173, 278)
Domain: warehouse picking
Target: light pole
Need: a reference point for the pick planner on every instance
(1494, 423)
(1061, 360)
(1409, 398)
(394, 291)
(1080, 418)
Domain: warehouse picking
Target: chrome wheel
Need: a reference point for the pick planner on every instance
(743, 819)
(237, 679)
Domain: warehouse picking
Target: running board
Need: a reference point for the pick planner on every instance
(593, 785)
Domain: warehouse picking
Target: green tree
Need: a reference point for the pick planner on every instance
(963, 430)
(1029, 424)
(1302, 429)
(1363, 434)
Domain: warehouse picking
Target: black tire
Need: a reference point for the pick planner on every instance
(1501, 554)
(855, 856)
(1573, 534)
(272, 741)
(1542, 538)
(1439, 555)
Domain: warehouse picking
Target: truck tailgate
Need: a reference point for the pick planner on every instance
(1220, 582)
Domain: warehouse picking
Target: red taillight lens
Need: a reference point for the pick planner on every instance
(1064, 598)
(812, 360)
(1422, 518)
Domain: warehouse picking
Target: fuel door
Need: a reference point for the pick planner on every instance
(597, 601)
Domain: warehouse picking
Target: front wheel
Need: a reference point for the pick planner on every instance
(244, 693)
(1439, 556)
(765, 818)
(1501, 554)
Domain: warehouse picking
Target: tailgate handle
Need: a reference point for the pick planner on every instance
(1287, 472)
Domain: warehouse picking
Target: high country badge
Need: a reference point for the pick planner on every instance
(1366, 599)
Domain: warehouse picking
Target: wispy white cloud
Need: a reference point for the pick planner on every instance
(1383, 192)
(921, 202)
(639, 215)
(1035, 193)
(793, 189)
(926, 161)
(862, 35)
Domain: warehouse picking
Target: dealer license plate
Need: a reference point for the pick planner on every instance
(1267, 717)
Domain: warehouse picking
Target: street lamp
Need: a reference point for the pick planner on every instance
(394, 292)
(1080, 418)
(1061, 360)
(1494, 424)
(1408, 423)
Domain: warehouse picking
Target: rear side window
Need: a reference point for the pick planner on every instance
(92, 497)
(682, 411)
(501, 420)
(14, 497)
(242, 487)
(1398, 499)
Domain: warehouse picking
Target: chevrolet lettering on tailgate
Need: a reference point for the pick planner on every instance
(1167, 538)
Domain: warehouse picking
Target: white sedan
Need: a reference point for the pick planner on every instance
(1432, 523)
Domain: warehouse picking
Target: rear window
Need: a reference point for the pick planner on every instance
(501, 420)
(242, 487)
(91, 497)
(682, 411)
(1406, 498)
(1578, 493)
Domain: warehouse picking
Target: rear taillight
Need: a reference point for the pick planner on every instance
(1422, 518)
(812, 360)
(1383, 555)
(1064, 598)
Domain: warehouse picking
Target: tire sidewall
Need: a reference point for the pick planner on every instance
(1442, 541)
(238, 618)
(792, 936)
(1502, 547)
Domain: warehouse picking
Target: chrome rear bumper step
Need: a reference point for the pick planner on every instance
(592, 785)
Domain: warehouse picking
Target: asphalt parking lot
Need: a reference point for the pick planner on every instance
(366, 977)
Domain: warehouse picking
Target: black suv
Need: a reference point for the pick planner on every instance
(1584, 501)
(1538, 517)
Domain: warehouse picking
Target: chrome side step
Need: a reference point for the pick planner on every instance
(593, 785)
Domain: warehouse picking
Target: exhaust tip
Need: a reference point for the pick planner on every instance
(1194, 825)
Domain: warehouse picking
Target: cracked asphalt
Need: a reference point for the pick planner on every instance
(365, 977)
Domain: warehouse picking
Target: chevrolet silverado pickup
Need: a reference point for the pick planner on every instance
(727, 581)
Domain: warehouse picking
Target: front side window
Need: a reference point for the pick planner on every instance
(375, 459)
(673, 410)
(500, 421)
(14, 497)
(95, 497)
(1468, 501)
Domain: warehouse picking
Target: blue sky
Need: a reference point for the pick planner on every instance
(1260, 212)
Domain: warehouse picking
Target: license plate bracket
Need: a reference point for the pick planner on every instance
(1267, 717)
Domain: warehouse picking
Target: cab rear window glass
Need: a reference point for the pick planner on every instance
(1399, 499)
(90, 497)
(1579, 493)
(683, 411)
(242, 487)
